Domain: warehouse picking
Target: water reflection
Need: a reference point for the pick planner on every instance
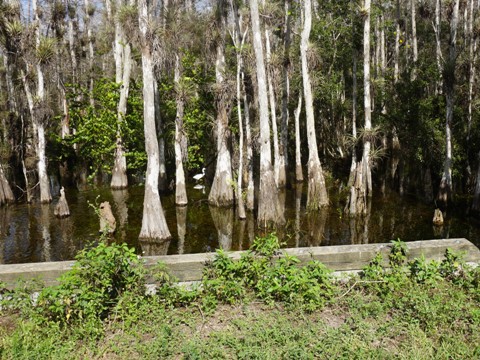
(181, 212)
(223, 221)
(31, 233)
(120, 198)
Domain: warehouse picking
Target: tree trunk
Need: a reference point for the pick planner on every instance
(221, 193)
(396, 66)
(414, 38)
(445, 189)
(268, 204)
(180, 149)
(71, 46)
(273, 108)
(39, 123)
(298, 145)
(239, 39)
(154, 225)
(283, 144)
(361, 183)
(438, 44)
(353, 166)
(317, 191)
(6, 194)
(122, 75)
(250, 198)
(90, 53)
(472, 57)
(162, 176)
(367, 101)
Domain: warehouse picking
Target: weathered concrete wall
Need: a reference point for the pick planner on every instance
(189, 267)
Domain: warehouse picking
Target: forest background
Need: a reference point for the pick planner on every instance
(375, 94)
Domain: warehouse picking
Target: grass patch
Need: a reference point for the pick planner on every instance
(264, 306)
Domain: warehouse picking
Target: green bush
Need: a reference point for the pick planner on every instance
(99, 279)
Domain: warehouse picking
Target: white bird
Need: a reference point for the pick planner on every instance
(199, 176)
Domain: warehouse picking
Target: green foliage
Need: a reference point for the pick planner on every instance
(398, 253)
(87, 293)
(423, 271)
(270, 279)
(96, 128)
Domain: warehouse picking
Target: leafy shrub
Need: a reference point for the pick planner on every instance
(259, 271)
(100, 277)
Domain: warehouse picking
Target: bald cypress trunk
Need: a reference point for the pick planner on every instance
(298, 145)
(445, 189)
(221, 193)
(180, 142)
(154, 225)
(361, 177)
(269, 210)
(123, 66)
(317, 191)
(39, 119)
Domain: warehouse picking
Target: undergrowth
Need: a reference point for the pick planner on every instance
(105, 291)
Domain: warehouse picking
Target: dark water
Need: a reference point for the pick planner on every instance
(31, 233)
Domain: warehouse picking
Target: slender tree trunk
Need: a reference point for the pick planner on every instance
(283, 145)
(298, 145)
(162, 176)
(472, 57)
(444, 192)
(71, 46)
(123, 67)
(438, 45)
(353, 166)
(361, 183)
(154, 225)
(39, 124)
(250, 198)
(396, 66)
(273, 107)
(180, 186)
(239, 39)
(6, 194)
(367, 101)
(268, 202)
(90, 56)
(317, 190)
(414, 38)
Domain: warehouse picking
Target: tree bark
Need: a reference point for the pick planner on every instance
(123, 65)
(283, 144)
(6, 194)
(180, 186)
(39, 123)
(414, 38)
(239, 39)
(298, 145)
(90, 53)
(317, 192)
(438, 44)
(162, 176)
(268, 203)
(445, 189)
(221, 193)
(154, 225)
(273, 108)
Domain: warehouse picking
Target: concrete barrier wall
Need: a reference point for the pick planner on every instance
(189, 267)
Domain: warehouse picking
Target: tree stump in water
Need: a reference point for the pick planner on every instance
(61, 209)
(438, 218)
(108, 223)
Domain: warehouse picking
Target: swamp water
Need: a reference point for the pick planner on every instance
(31, 233)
